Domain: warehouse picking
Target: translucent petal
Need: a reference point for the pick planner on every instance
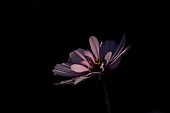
(107, 57)
(94, 44)
(74, 57)
(85, 63)
(89, 54)
(115, 64)
(79, 68)
(120, 55)
(119, 48)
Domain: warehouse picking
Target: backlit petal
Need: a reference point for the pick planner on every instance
(89, 54)
(107, 57)
(115, 64)
(119, 48)
(79, 68)
(94, 44)
(85, 63)
(122, 53)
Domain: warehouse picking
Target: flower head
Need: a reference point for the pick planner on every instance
(84, 63)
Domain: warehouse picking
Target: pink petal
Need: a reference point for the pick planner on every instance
(85, 63)
(89, 54)
(94, 44)
(107, 57)
(79, 68)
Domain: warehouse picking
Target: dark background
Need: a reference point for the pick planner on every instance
(40, 38)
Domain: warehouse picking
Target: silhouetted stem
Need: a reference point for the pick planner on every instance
(106, 95)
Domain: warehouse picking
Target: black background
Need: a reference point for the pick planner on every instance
(40, 38)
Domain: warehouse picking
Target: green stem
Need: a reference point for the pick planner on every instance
(106, 95)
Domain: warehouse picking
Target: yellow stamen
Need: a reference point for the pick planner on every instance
(97, 61)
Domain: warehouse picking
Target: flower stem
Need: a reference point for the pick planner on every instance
(106, 96)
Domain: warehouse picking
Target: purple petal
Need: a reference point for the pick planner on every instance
(107, 57)
(104, 49)
(67, 64)
(112, 46)
(79, 68)
(62, 73)
(81, 50)
(115, 64)
(119, 48)
(74, 57)
(63, 68)
(122, 53)
(94, 44)
(81, 55)
(85, 63)
(89, 54)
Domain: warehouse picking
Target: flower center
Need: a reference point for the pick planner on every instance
(96, 66)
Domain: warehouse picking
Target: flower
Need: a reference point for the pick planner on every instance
(83, 64)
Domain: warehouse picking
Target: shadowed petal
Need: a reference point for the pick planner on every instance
(81, 50)
(94, 44)
(70, 81)
(67, 64)
(89, 54)
(79, 79)
(112, 46)
(79, 68)
(104, 49)
(62, 73)
(80, 54)
(74, 57)
(119, 48)
(107, 57)
(63, 68)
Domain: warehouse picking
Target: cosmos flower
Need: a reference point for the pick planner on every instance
(83, 63)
